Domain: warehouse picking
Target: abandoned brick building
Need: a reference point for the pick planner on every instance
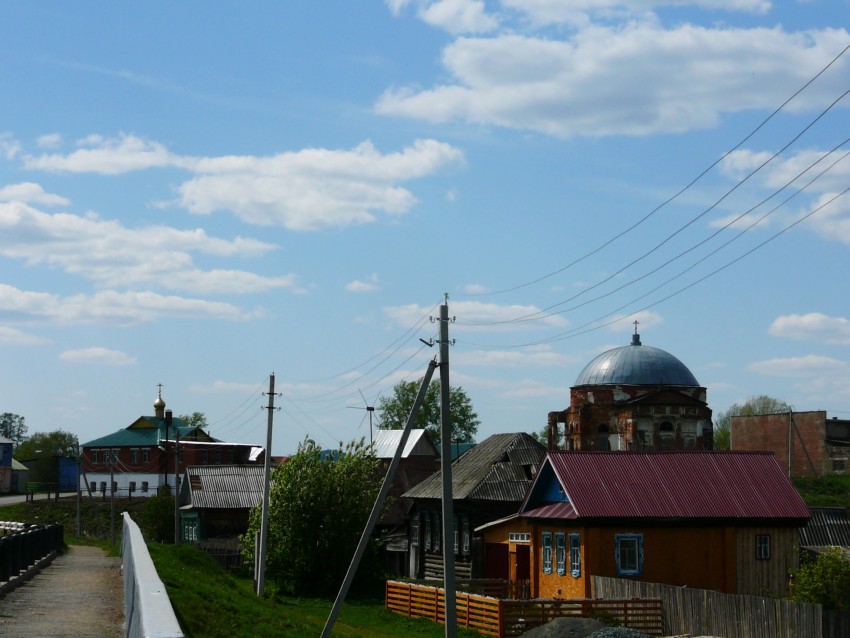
(634, 397)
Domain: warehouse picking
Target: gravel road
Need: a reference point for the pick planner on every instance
(80, 595)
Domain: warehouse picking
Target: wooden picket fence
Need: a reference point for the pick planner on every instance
(504, 618)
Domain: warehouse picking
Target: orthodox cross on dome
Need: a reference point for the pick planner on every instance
(159, 386)
(636, 325)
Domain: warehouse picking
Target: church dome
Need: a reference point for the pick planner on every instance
(636, 364)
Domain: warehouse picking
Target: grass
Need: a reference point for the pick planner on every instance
(825, 491)
(211, 603)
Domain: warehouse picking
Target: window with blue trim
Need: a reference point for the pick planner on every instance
(629, 555)
(561, 553)
(547, 552)
(575, 555)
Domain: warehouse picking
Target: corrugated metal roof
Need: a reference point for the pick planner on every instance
(492, 470)
(636, 364)
(683, 484)
(225, 486)
(386, 442)
(829, 526)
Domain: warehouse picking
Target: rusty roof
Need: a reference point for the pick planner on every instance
(497, 469)
(672, 485)
(224, 486)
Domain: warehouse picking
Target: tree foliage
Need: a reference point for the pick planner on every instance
(156, 520)
(825, 580)
(395, 410)
(42, 444)
(13, 427)
(318, 507)
(195, 420)
(761, 404)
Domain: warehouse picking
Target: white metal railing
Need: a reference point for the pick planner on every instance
(147, 610)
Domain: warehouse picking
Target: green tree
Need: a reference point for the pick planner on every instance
(395, 410)
(318, 507)
(13, 427)
(825, 580)
(761, 404)
(41, 444)
(195, 420)
(156, 520)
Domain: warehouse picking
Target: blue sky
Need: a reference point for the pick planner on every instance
(199, 194)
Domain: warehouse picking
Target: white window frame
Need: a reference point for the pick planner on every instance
(575, 555)
(546, 544)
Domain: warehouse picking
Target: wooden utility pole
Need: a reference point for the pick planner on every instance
(379, 503)
(446, 469)
(264, 524)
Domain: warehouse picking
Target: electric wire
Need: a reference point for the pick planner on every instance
(674, 196)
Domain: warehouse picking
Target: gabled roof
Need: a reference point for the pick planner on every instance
(418, 444)
(223, 486)
(666, 485)
(149, 431)
(497, 469)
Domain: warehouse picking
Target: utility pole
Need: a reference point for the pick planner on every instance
(112, 496)
(379, 503)
(446, 469)
(168, 421)
(264, 524)
(79, 489)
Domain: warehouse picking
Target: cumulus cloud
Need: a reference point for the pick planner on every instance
(50, 140)
(309, 189)
(112, 308)
(813, 326)
(29, 192)
(369, 285)
(114, 255)
(526, 357)
(809, 365)
(99, 356)
(478, 316)
(458, 16)
(9, 146)
(314, 188)
(13, 336)
(636, 78)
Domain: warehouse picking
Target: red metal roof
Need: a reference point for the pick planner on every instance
(684, 484)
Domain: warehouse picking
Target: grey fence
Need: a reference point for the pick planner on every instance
(702, 612)
(147, 610)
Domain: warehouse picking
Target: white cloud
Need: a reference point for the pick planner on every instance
(100, 356)
(112, 308)
(530, 389)
(217, 387)
(9, 146)
(116, 256)
(474, 289)
(369, 285)
(809, 365)
(314, 188)
(51, 140)
(813, 326)
(108, 157)
(477, 316)
(526, 357)
(13, 336)
(637, 79)
(458, 16)
(309, 189)
(28, 192)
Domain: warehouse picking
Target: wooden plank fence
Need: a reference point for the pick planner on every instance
(703, 612)
(504, 618)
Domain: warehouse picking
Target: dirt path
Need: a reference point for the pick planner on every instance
(80, 594)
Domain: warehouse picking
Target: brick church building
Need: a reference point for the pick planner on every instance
(634, 397)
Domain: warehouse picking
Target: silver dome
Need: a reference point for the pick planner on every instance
(636, 364)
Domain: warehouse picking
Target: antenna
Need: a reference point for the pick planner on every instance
(368, 409)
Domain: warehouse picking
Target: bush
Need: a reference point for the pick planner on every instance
(824, 581)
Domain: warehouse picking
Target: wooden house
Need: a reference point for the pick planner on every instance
(215, 500)
(489, 482)
(725, 521)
